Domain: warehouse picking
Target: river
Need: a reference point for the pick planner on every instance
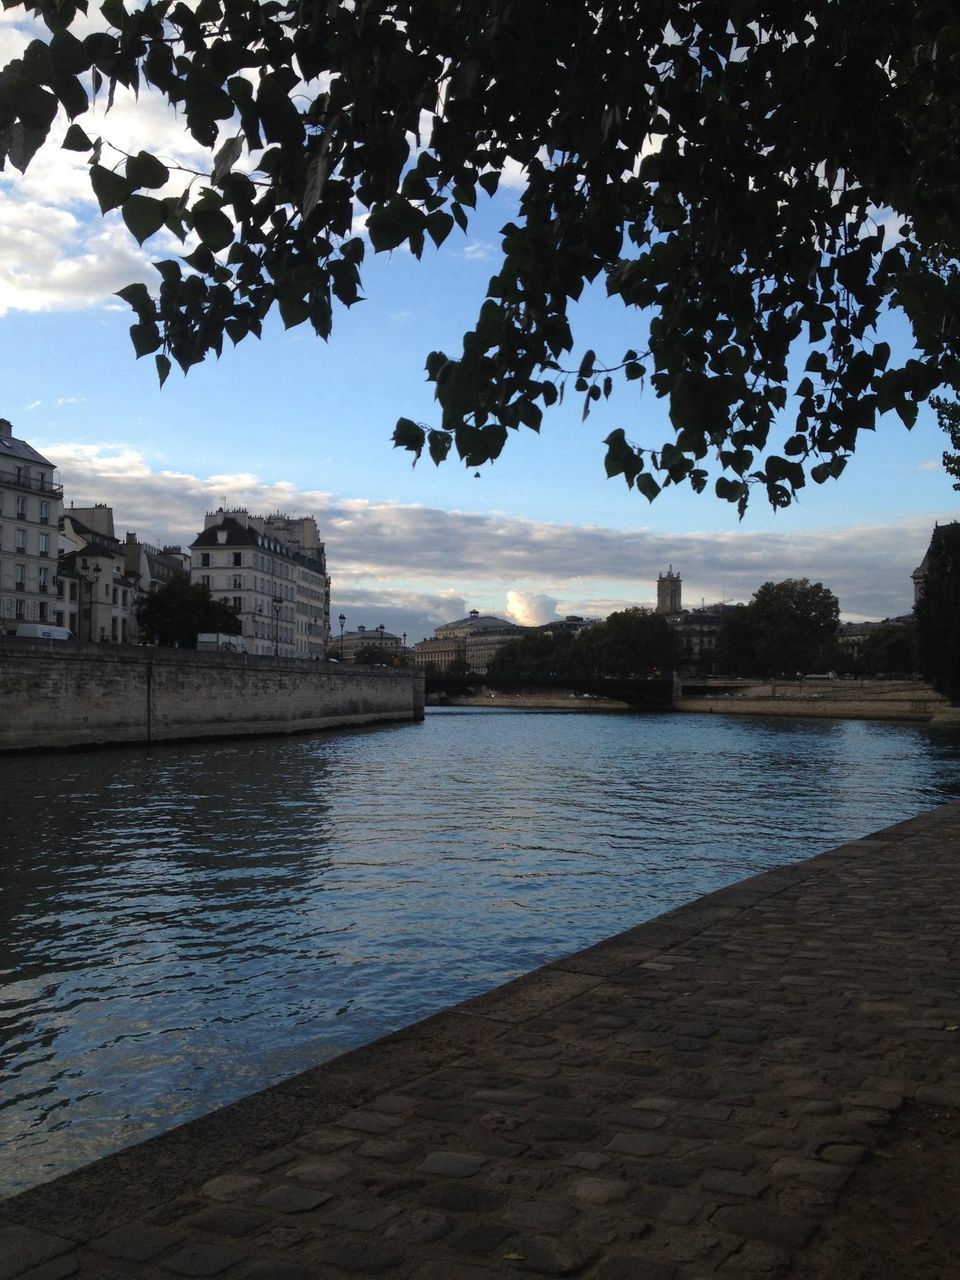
(182, 925)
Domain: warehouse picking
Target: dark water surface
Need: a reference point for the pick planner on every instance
(183, 925)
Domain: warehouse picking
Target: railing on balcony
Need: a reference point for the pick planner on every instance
(35, 484)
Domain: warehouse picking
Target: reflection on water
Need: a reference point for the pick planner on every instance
(182, 925)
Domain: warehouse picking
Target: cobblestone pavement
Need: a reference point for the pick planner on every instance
(687, 1099)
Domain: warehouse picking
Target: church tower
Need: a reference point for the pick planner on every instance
(668, 593)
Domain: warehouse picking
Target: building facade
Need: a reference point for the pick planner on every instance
(31, 501)
(465, 645)
(668, 593)
(272, 572)
(96, 595)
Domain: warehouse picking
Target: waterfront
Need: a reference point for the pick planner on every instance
(186, 924)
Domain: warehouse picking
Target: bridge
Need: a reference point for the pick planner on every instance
(642, 693)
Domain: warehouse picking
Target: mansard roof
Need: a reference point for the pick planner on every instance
(11, 447)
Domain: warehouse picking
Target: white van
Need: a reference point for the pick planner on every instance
(43, 631)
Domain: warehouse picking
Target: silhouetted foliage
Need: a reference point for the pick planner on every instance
(726, 170)
(786, 628)
(937, 613)
(176, 612)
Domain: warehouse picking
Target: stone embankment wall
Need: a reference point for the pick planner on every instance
(69, 695)
(844, 699)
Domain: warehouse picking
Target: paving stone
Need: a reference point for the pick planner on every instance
(236, 1186)
(816, 1172)
(287, 1198)
(549, 1257)
(461, 1197)
(199, 1259)
(360, 1215)
(369, 1122)
(67, 1264)
(635, 1266)
(586, 1160)
(270, 1160)
(638, 1144)
(136, 1243)
(388, 1150)
(275, 1269)
(423, 1226)
(726, 1183)
(753, 1222)
(452, 1164)
(481, 1239)
(22, 1247)
(363, 1257)
(541, 1216)
(227, 1221)
(318, 1172)
(600, 1190)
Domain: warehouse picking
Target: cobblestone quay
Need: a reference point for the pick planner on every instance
(687, 1099)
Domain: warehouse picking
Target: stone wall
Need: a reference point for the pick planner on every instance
(843, 699)
(74, 695)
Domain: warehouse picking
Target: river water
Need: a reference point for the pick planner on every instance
(182, 925)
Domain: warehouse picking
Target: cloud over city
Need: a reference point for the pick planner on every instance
(415, 566)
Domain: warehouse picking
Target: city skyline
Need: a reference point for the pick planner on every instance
(295, 424)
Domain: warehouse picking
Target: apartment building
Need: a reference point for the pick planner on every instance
(272, 571)
(31, 500)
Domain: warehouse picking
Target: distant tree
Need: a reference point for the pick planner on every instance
(937, 613)
(632, 642)
(786, 628)
(736, 643)
(175, 613)
(726, 171)
(889, 649)
(948, 419)
(538, 653)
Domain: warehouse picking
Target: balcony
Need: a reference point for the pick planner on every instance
(33, 484)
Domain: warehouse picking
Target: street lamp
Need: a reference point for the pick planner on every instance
(380, 631)
(342, 619)
(89, 580)
(277, 606)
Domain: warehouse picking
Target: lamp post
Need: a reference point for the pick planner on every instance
(342, 619)
(380, 631)
(403, 651)
(277, 606)
(89, 579)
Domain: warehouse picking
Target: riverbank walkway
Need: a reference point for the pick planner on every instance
(687, 1099)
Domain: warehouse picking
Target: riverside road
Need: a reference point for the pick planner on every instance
(687, 1099)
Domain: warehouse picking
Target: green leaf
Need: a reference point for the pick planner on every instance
(145, 170)
(213, 227)
(76, 140)
(163, 368)
(143, 216)
(145, 337)
(110, 188)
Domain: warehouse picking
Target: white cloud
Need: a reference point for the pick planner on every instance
(531, 609)
(396, 554)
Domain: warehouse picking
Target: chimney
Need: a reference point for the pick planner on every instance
(6, 428)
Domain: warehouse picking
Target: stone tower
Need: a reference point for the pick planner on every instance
(668, 592)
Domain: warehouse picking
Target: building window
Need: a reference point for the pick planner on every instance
(237, 559)
(237, 604)
(44, 583)
(20, 577)
(205, 560)
(42, 611)
(205, 580)
(123, 599)
(44, 512)
(44, 544)
(115, 596)
(20, 539)
(237, 582)
(20, 610)
(21, 507)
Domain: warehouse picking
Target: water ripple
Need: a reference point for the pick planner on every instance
(182, 925)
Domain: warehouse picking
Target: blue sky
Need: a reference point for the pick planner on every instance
(292, 423)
